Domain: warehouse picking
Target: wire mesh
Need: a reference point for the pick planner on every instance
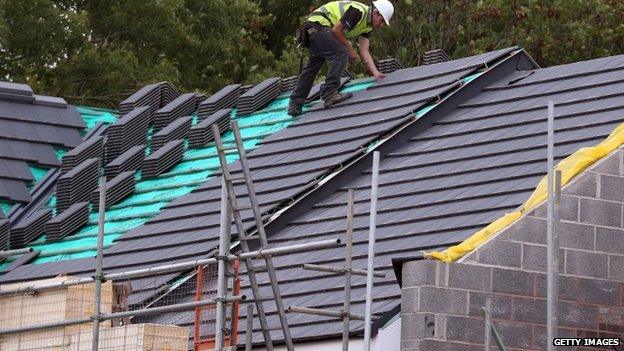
(185, 328)
(205, 317)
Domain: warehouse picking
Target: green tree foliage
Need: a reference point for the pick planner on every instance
(553, 32)
(97, 52)
(36, 36)
(287, 15)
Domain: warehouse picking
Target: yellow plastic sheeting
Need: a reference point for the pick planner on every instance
(570, 167)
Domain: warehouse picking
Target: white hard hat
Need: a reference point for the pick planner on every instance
(385, 8)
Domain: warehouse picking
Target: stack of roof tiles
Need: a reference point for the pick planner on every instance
(29, 228)
(347, 74)
(148, 96)
(224, 98)
(4, 234)
(259, 96)
(116, 190)
(435, 56)
(167, 93)
(77, 184)
(67, 222)
(163, 159)
(389, 65)
(201, 134)
(184, 105)
(127, 131)
(289, 83)
(178, 129)
(152, 95)
(130, 160)
(246, 88)
(92, 148)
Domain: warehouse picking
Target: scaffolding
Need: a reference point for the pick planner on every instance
(111, 316)
(207, 318)
(244, 237)
(75, 314)
(348, 270)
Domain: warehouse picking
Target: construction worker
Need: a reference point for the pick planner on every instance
(329, 29)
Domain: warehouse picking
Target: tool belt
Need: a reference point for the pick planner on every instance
(303, 33)
(303, 36)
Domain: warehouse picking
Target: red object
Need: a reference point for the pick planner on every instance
(205, 315)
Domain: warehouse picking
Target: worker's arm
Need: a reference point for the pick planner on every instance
(368, 59)
(337, 30)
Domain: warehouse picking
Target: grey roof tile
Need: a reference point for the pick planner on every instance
(14, 169)
(14, 190)
(15, 88)
(42, 154)
(51, 101)
(41, 114)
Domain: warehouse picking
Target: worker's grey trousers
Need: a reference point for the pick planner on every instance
(323, 46)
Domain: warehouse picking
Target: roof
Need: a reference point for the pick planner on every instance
(34, 127)
(462, 142)
(149, 193)
(452, 172)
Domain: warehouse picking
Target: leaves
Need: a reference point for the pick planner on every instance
(96, 52)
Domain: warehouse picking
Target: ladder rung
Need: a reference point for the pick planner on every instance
(275, 327)
(232, 178)
(263, 298)
(250, 237)
(225, 148)
(259, 268)
(242, 208)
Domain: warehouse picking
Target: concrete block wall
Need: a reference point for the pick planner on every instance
(441, 303)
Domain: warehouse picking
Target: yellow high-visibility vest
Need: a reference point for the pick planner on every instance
(330, 13)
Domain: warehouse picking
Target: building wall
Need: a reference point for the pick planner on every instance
(441, 303)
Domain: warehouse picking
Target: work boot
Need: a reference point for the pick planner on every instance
(336, 98)
(294, 110)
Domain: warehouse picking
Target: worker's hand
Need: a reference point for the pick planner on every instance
(353, 56)
(378, 75)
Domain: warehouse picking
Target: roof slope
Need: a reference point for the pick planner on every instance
(293, 160)
(474, 163)
(286, 163)
(31, 127)
(74, 253)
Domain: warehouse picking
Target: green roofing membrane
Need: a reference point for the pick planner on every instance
(38, 173)
(92, 116)
(60, 152)
(5, 206)
(151, 195)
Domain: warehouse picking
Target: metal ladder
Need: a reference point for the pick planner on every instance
(244, 237)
